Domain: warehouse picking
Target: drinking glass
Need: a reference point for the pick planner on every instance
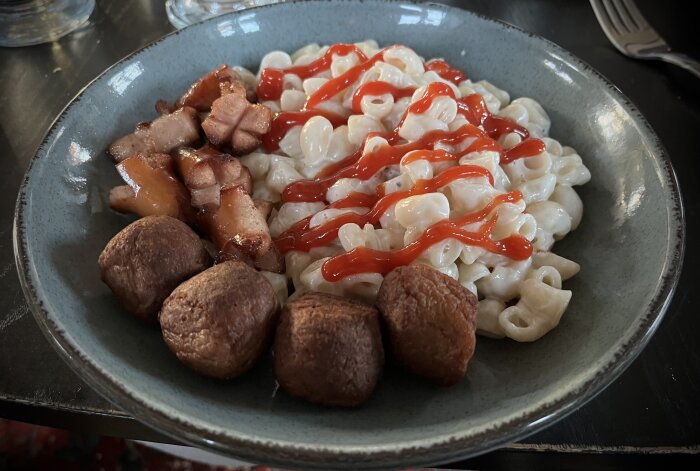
(27, 22)
(185, 12)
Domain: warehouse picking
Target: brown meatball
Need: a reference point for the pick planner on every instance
(328, 350)
(144, 262)
(219, 322)
(431, 320)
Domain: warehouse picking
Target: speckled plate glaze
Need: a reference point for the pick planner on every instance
(629, 245)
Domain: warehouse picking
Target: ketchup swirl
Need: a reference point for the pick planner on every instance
(365, 260)
(370, 163)
(364, 165)
(434, 156)
(474, 109)
(302, 237)
(527, 148)
(270, 85)
(336, 85)
(446, 71)
(286, 120)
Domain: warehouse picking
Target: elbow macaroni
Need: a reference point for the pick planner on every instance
(521, 300)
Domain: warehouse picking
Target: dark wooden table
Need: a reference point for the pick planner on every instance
(649, 415)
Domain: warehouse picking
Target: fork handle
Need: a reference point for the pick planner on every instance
(681, 60)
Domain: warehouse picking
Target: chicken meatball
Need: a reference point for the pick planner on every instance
(144, 262)
(328, 350)
(220, 322)
(431, 321)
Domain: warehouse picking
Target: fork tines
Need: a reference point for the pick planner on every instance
(624, 16)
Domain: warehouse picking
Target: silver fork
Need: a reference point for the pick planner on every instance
(630, 33)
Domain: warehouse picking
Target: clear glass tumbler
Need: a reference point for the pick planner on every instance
(182, 13)
(27, 22)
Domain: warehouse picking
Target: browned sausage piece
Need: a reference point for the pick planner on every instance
(211, 86)
(328, 350)
(272, 260)
(207, 171)
(164, 134)
(237, 221)
(144, 262)
(220, 322)
(151, 190)
(431, 321)
(234, 120)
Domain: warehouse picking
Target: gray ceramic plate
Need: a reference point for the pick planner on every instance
(629, 245)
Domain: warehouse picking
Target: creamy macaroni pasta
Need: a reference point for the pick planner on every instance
(379, 158)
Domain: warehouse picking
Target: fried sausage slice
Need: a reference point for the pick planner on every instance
(151, 189)
(162, 135)
(237, 221)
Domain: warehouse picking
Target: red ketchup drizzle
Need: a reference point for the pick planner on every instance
(356, 200)
(270, 88)
(434, 156)
(301, 237)
(446, 71)
(392, 137)
(480, 143)
(437, 155)
(370, 163)
(357, 165)
(270, 85)
(336, 85)
(286, 120)
(527, 148)
(365, 260)
(364, 166)
(377, 89)
(474, 109)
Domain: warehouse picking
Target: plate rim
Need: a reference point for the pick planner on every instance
(424, 451)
